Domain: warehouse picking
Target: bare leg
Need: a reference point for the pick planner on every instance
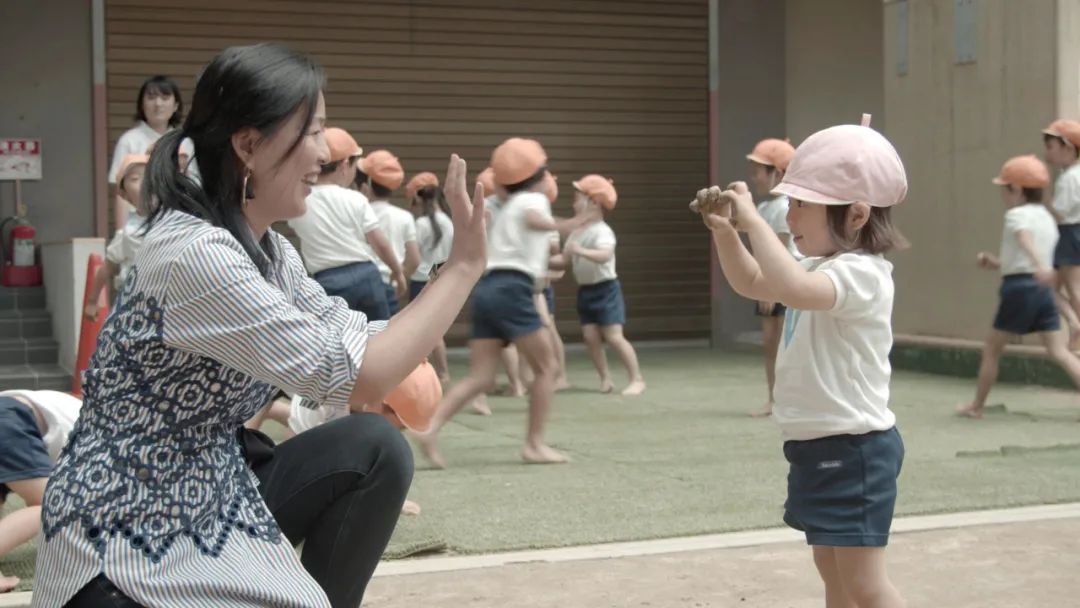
(512, 364)
(988, 371)
(771, 328)
(561, 383)
(536, 348)
(23, 525)
(613, 335)
(1070, 279)
(483, 364)
(594, 342)
(866, 582)
(835, 596)
(1065, 308)
(439, 362)
(1059, 351)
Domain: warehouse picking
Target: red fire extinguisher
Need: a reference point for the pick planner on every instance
(21, 268)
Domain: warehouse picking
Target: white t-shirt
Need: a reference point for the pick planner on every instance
(832, 372)
(432, 253)
(305, 415)
(333, 231)
(60, 410)
(137, 140)
(515, 246)
(1067, 195)
(774, 212)
(124, 245)
(1036, 219)
(399, 227)
(594, 236)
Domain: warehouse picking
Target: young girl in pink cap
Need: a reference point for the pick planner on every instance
(768, 161)
(832, 374)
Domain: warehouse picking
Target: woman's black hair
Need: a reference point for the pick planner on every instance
(259, 86)
(431, 200)
(162, 85)
(528, 182)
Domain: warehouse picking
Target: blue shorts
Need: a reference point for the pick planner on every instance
(778, 310)
(503, 307)
(1026, 307)
(549, 296)
(842, 488)
(361, 286)
(601, 304)
(1067, 251)
(391, 299)
(415, 287)
(22, 450)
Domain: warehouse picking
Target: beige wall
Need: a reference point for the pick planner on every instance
(954, 125)
(833, 59)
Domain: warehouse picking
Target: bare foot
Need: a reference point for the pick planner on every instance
(542, 454)
(606, 387)
(480, 406)
(7, 583)
(764, 412)
(445, 379)
(429, 447)
(634, 388)
(562, 384)
(410, 508)
(969, 410)
(517, 390)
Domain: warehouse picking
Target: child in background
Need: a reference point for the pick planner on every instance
(600, 304)
(120, 254)
(379, 175)
(1062, 141)
(1027, 287)
(768, 161)
(434, 233)
(832, 374)
(34, 427)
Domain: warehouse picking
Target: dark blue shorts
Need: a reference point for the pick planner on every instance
(503, 307)
(842, 489)
(1067, 251)
(601, 304)
(415, 287)
(361, 286)
(1025, 306)
(549, 296)
(778, 310)
(22, 450)
(391, 299)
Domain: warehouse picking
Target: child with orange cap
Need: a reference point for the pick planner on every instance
(768, 161)
(434, 233)
(1027, 296)
(503, 304)
(120, 254)
(600, 305)
(378, 176)
(1062, 141)
(340, 236)
(832, 373)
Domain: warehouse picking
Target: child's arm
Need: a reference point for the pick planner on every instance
(988, 261)
(1043, 274)
(104, 274)
(538, 221)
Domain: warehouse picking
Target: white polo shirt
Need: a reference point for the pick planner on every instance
(432, 253)
(1037, 220)
(774, 212)
(137, 140)
(1067, 195)
(333, 231)
(60, 410)
(399, 227)
(515, 246)
(594, 236)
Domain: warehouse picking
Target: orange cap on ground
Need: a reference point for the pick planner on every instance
(1023, 172)
(516, 160)
(416, 399)
(772, 152)
(598, 188)
(341, 144)
(383, 168)
(420, 181)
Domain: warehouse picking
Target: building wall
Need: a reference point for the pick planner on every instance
(954, 126)
(46, 85)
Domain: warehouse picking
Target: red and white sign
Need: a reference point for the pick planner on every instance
(20, 158)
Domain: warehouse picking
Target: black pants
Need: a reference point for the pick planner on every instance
(338, 488)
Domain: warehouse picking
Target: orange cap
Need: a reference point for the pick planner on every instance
(600, 189)
(773, 152)
(416, 399)
(549, 186)
(383, 168)
(341, 144)
(1023, 172)
(1069, 130)
(516, 160)
(487, 180)
(418, 182)
(130, 161)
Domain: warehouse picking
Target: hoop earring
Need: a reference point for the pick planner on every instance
(246, 191)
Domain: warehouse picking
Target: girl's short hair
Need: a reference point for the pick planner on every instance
(878, 235)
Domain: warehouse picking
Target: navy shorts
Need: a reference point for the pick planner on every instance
(549, 296)
(22, 450)
(601, 304)
(391, 299)
(842, 488)
(1025, 306)
(361, 286)
(778, 310)
(415, 287)
(1067, 251)
(503, 307)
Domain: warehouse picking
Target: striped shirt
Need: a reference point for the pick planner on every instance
(153, 490)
